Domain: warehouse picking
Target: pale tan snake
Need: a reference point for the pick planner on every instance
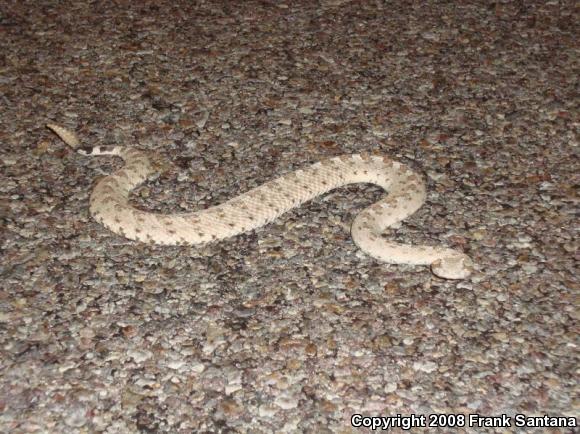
(109, 205)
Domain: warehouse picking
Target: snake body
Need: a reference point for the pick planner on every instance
(109, 205)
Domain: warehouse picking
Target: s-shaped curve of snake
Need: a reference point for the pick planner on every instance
(109, 205)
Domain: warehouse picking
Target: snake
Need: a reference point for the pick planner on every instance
(406, 193)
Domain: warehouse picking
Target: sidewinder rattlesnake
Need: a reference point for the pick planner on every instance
(109, 205)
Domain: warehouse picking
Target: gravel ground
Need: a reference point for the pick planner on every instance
(289, 328)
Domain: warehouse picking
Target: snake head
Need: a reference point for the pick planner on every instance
(456, 266)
